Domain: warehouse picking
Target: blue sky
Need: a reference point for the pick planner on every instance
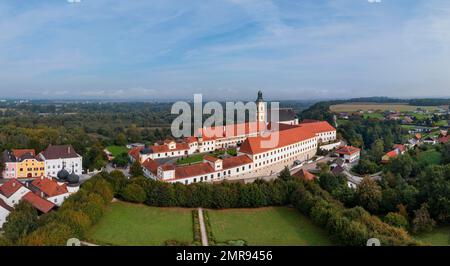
(225, 49)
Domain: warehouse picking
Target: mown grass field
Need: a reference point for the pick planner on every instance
(400, 107)
(116, 150)
(266, 226)
(373, 116)
(438, 237)
(128, 224)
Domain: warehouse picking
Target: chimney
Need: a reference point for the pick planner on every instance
(14, 184)
(68, 149)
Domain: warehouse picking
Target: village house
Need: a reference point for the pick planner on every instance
(57, 156)
(12, 191)
(399, 149)
(430, 140)
(22, 163)
(305, 175)
(350, 154)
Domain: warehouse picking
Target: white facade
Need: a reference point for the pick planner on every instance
(351, 158)
(326, 136)
(52, 167)
(161, 155)
(59, 199)
(16, 197)
(329, 147)
(217, 175)
(3, 214)
(303, 151)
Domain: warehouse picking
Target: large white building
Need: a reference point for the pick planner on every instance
(58, 156)
(295, 142)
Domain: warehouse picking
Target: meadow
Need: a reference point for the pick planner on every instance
(127, 224)
(266, 226)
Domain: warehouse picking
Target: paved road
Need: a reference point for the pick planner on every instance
(202, 228)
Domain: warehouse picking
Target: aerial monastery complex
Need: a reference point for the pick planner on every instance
(294, 142)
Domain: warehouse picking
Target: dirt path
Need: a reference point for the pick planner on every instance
(202, 228)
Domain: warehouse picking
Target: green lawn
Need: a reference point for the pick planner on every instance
(116, 150)
(266, 226)
(128, 224)
(438, 237)
(430, 157)
(196, 158)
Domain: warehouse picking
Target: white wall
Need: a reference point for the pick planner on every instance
(52, 167)
(16, 197)
(3, 214)
(58, 200)
(303, 150)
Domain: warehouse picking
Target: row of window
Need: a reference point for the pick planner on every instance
(218, 175)
(263, 155)
(59, 166)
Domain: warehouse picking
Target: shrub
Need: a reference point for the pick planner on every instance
(134, 193)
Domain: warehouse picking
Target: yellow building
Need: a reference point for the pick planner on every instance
(27, 164)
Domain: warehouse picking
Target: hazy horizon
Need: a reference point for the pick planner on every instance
(224, 49)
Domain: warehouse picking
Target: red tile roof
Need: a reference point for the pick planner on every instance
(318, 127)
(5, 206)
(151, 165)
(444, 139)
(167, 167)
(236, 161)
(193, 170)
(39, 203)
(392, 154)
(49, 186)
(19, 152)
(227, 131)
(135, 152)
(305, 174)
(10, 187)
(59, 152)
(253, 145)
(211, 158)
(165, 148)
(191, 139)
(347, 150)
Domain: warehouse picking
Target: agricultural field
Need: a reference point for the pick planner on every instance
(128, 224)
(116, 150)
(400, 107)
(266, 226)
(438, 237)
(373, 116)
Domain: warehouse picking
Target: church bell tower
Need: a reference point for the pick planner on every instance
(261, 108)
